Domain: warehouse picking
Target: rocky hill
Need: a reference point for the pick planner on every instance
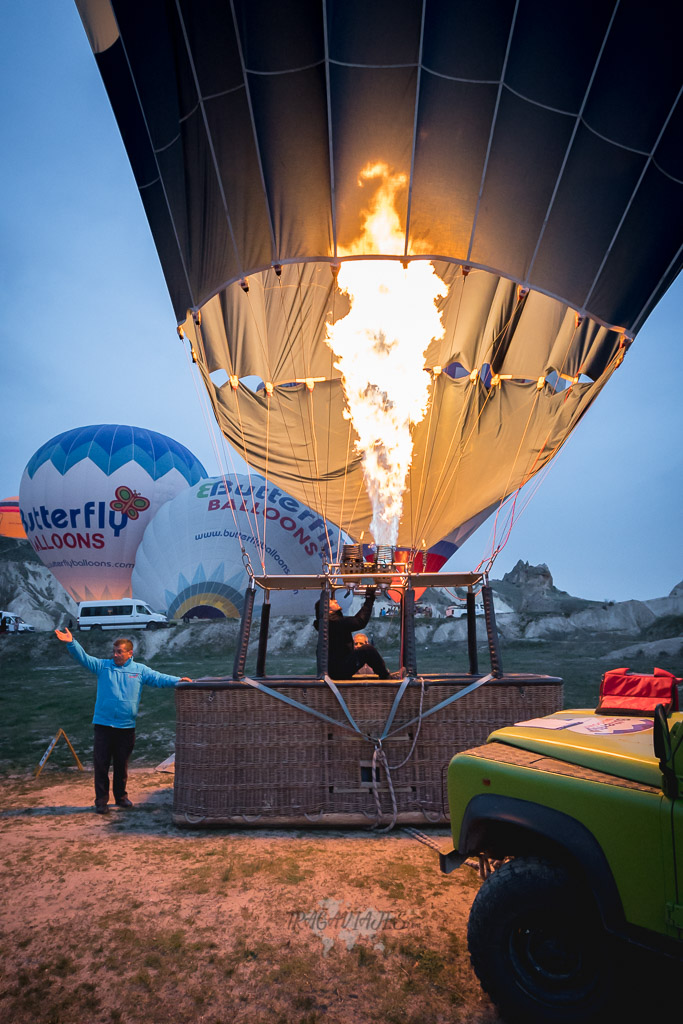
(541, 611)
(28, 588)
(529, 589)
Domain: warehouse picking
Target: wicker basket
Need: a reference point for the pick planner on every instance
(244, 757)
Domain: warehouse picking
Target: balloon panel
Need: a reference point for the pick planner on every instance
(247, 134)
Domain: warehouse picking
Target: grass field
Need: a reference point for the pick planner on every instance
(42, 689)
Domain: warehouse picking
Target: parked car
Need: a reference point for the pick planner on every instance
(124, 613)
(13, 623)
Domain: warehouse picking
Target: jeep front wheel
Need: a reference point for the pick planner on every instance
(537, 945)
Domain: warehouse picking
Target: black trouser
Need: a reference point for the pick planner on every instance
(115, 745)
(365, 655)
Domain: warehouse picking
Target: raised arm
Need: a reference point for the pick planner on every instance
(76, 651)
(362, 617)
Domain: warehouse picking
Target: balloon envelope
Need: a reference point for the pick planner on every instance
(87, 495)
(543, 177)
(10, 519)
(190, 560)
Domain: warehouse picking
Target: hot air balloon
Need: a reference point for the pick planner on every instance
(408, 245)
(10, 519)
(190, 561)
(529, 155)
(87, 495)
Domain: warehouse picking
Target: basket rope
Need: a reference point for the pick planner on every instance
(422, 838)
(379, 757)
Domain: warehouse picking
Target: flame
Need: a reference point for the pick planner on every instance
(380, 348)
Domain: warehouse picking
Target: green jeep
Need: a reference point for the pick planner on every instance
(577, 820)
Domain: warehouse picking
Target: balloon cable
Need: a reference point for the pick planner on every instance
(447, 478)
(199, 338)
(540, 475)
(311, 416)
(322, 503)
(422, 524)
(303, 479)
(512, 515)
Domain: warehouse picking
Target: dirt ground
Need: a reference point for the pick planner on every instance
(126, 918)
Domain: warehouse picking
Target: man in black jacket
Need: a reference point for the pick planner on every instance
(344, 659)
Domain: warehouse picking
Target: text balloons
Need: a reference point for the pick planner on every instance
(190, 561)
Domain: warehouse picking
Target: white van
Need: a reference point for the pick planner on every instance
(126, 613)
(14, 623)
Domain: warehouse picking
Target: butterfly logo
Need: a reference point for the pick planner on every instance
(129, 502)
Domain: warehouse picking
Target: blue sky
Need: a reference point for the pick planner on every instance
(88, 334)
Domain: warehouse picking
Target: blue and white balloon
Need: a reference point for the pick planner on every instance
(87, 495)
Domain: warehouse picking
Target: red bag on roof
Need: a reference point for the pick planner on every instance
(631, 693)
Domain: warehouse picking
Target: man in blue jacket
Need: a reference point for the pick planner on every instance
(119, 686)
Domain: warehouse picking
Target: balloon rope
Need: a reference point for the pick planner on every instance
(427, 452)
(512, 514)
(317, 469)
(269, 370)
(322, 502)
(570, 345)
(430, 454)
(266, 361)
(336, 556)
(448, 477)
(261, 545)
(235, 392)
(340, 524)
(265, 501)
(540, 475)
(305, 373)
(203, 397)
(495, 551)
(489, 352)
(343, 501)
(360, 490)
(414, 540)
(329, 427)
(265, 349)
(515, 513)
(302, 477)
(244, 509)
